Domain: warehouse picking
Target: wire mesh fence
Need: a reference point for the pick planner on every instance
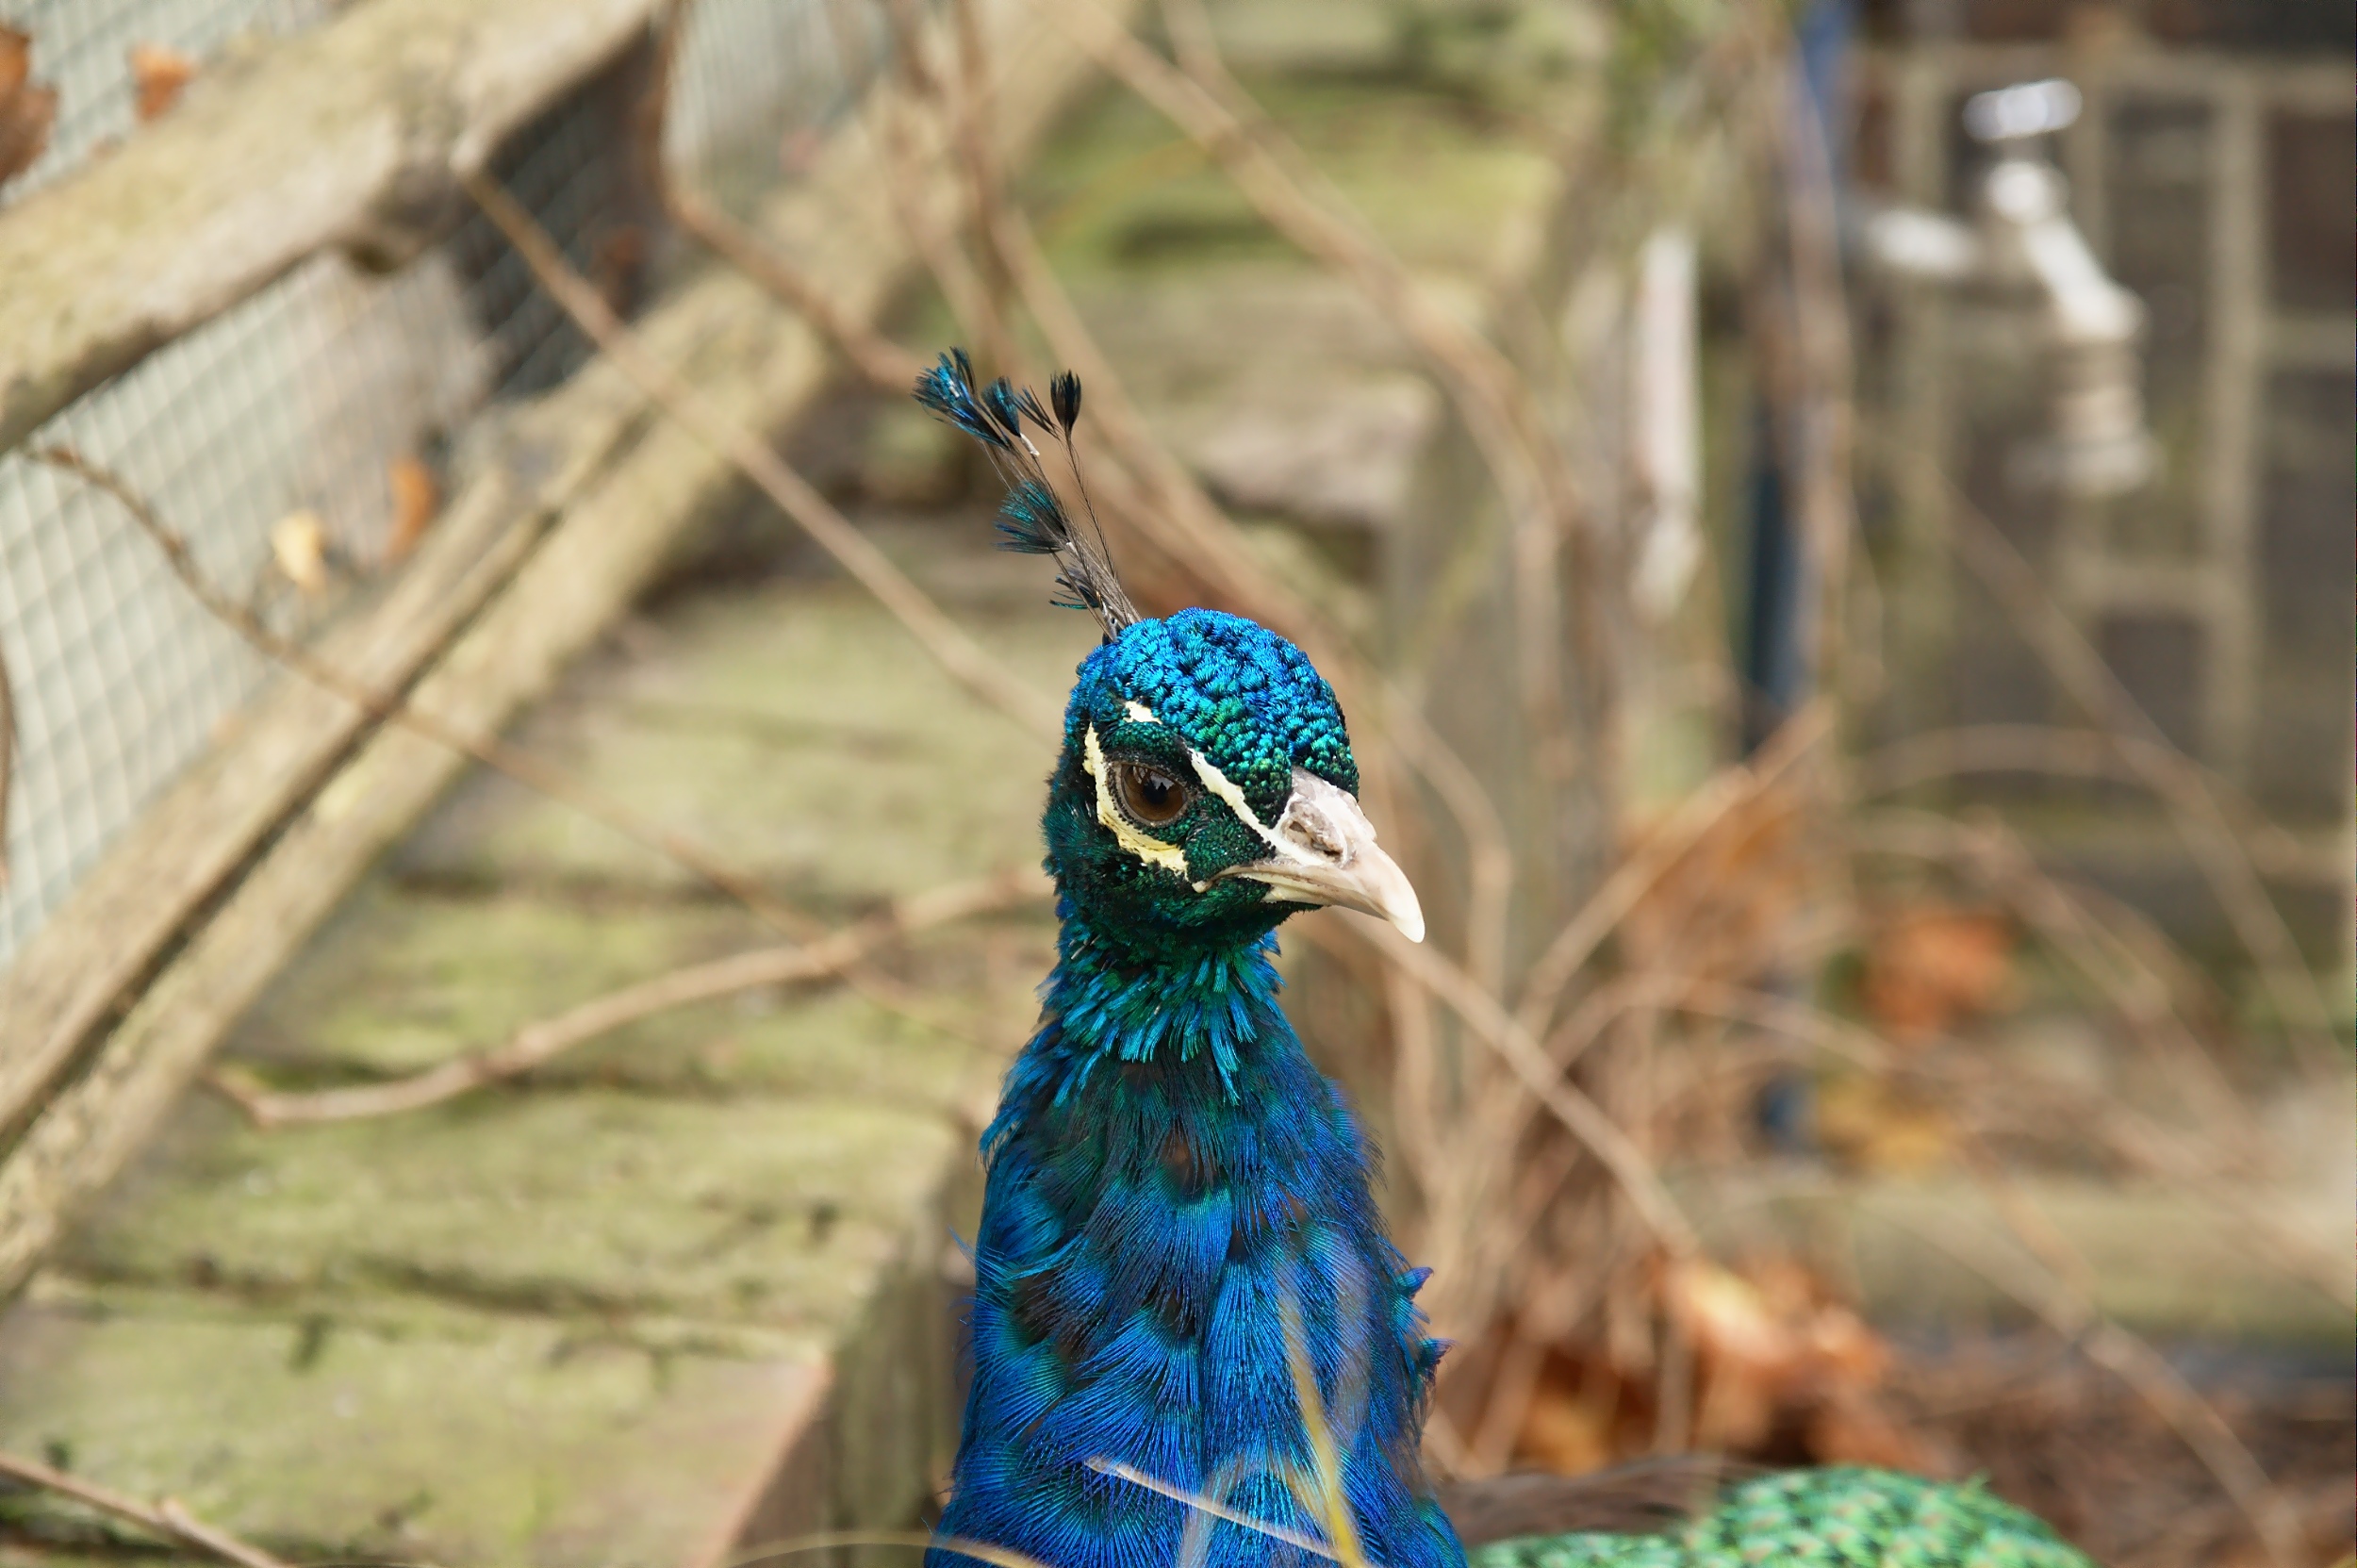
(82, 50)
(309, 414)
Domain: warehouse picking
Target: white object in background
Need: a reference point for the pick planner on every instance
(2023, 235)
(1668, 435)
(2023, 110)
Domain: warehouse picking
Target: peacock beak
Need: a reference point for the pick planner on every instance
(1323, 851)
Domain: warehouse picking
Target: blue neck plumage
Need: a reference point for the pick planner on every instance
(1169, 1179)
(1111, 1001)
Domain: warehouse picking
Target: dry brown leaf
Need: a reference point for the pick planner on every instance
(417, 497)
(1564, 1433)
(1842, 1349)
(27, 110)
(1730, 1319)
(1850, 1429)
(157, 75)
(1726, 908)
(298, 545)
(16, 59)
(1774, 1345)
(1747, 1356)
(1930, 966)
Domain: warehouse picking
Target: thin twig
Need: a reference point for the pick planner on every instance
(539, 1043)
(986, 188)
(2137, 1141)
(2071, 1308)
(883, 362)
(1499, 410)
(1935, 754)
(2142, 994)
(1137, 1477)
(887, 119)
(167, 1518)
(2209, 835)
(1497, 1029)
(958, 654)
(1700, 812)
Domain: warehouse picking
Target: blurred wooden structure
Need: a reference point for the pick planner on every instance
(2211, 169)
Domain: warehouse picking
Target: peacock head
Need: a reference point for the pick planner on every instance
(1206, 788)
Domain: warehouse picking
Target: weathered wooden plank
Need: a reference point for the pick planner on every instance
(751, 362)
(349, 136)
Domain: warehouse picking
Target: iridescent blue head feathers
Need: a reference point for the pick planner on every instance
(1032, 518)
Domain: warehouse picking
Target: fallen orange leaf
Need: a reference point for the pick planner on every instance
(1929, 966)
(417, 497)
(27, 110)
(157, 74)
(16, 59)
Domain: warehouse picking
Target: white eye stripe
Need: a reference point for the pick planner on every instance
(1219, 784)
(1140, 714)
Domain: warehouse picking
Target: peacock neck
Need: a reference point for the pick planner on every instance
(1167, 997)
(1170, 1180)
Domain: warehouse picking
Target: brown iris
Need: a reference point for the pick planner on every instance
(1152, 798)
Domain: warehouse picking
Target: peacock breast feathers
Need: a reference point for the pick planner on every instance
(1165, 1240)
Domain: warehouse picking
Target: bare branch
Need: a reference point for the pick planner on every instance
(2065, 1305)
(1497, 1029)
(167, 1518)
(2293, 986)
(1935, 754)
(879, 360)
(536, 1044)
(964, 659)
(1696, 815)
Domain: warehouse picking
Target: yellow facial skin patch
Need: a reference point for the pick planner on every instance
(1144, 845)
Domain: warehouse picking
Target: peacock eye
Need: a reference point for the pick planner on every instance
(1152, 798)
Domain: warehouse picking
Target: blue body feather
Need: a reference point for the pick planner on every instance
(1167, 1169)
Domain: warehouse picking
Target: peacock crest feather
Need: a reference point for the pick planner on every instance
(1032, 518)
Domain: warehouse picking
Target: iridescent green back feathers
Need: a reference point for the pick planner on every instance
(1838, 1518)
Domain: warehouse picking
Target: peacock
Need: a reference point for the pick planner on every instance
(1193, 1341)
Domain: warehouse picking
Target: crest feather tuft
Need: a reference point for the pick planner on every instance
(1032, 519)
